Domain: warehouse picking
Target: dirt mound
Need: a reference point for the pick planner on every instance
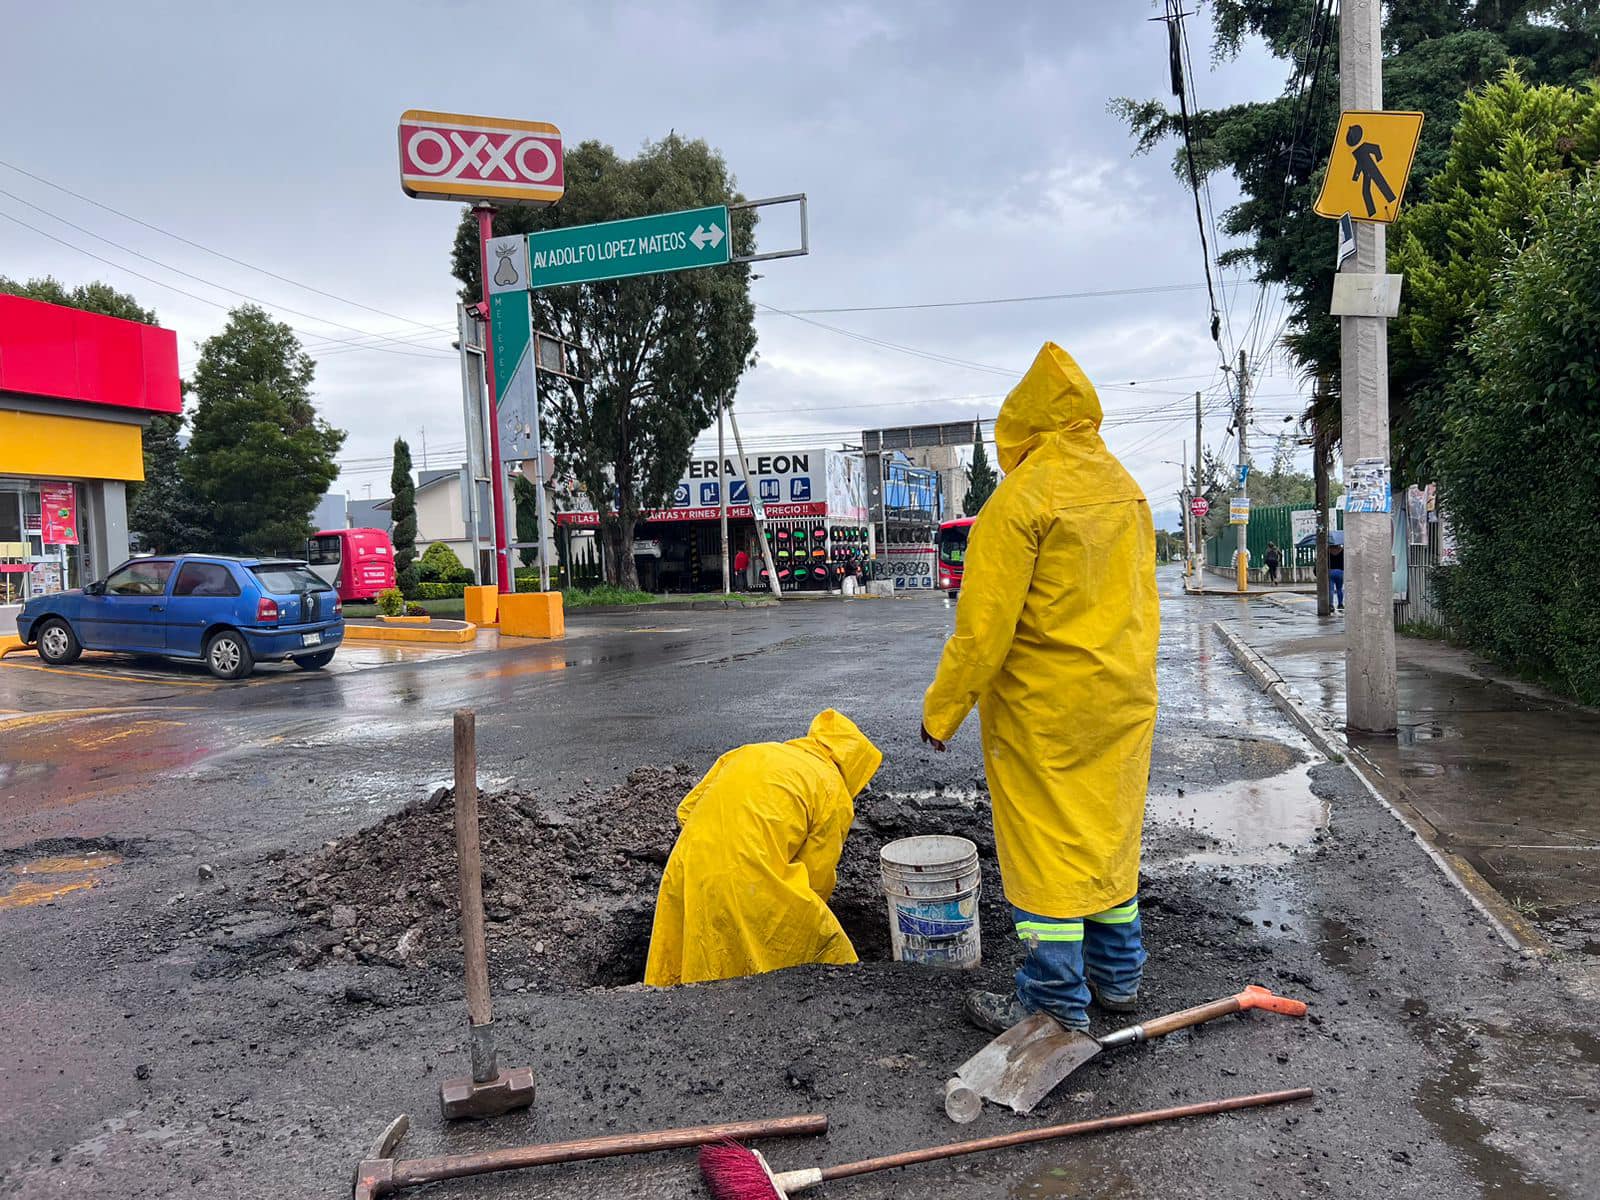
(569, 887)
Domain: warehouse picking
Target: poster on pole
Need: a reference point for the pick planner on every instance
(1303, 524)
(59, 508)
(1239, 510)
(1367, 486)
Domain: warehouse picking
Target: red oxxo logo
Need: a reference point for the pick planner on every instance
(452, 156)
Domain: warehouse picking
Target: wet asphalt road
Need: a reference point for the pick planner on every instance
(1446, 1064)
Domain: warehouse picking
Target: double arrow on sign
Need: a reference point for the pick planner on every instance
(700, 237)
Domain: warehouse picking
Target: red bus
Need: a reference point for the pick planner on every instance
(359, 563)
(951, 541)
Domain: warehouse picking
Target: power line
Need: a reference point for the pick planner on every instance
(200, 246)
(1138, 291)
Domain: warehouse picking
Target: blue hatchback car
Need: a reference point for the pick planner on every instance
(230, 613)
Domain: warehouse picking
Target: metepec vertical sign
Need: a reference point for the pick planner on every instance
(511, 330)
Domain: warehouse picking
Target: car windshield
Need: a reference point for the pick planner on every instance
(953, 544)
(287, 578)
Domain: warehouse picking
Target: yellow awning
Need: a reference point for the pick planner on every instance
(53, 447)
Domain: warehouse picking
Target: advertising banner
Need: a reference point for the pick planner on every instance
(59, 505)
(911, 567)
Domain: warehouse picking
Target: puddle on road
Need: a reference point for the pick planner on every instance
(45, 879)
(1257, 822)
(1082, 1180)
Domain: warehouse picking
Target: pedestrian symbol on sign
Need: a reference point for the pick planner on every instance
(1369, 165)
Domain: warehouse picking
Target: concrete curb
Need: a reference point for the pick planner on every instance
(604, 610)
(10, 645)
(465, 634)
(1512, 929)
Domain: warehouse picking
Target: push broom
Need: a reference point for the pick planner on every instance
(732, 1172)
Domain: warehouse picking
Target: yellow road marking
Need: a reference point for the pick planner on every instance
(158, 680)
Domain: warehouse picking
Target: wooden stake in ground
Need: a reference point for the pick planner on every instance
(488, 1091)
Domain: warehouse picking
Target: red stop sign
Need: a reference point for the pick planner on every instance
(1199, 506)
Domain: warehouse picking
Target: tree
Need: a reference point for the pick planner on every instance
(1517, 476)
(439, 564)
(99, 298)
(981, 478)
(162, 511)
(1282, 484)
(403, 512)
(1434, 52)
(662, 351)
(1513, 153)
(260, 457)
(526, 500)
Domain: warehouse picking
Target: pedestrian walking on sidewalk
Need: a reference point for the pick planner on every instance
(1336, 574)
(1273, 557)
(1055, 643)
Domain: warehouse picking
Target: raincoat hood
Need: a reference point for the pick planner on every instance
(1055, 396)
(834, 736)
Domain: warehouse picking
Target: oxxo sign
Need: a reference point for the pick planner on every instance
(453, 156)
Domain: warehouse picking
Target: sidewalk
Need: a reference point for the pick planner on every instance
(1500, 773)
(1214, 582)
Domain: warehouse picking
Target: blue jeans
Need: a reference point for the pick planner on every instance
(1336, 586)
(1065, 954)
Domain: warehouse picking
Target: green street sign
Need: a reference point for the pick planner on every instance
(675, 241)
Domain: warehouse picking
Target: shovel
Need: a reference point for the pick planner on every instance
(1025, 1063)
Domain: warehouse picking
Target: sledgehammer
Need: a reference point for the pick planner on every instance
(488, 1091)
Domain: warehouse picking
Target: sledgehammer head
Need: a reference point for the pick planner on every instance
(464, 1097)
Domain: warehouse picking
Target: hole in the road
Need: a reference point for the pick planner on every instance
(47, 871)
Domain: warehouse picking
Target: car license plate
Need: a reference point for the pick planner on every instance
(311, 639)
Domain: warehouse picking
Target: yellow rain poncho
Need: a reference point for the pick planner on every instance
(746, 889)
(1055, 642)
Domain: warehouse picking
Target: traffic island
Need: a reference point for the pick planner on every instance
(482, 605)
(10, 644)
(430, 631)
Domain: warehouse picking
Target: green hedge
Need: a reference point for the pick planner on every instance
(1517, 468)
(440, 591)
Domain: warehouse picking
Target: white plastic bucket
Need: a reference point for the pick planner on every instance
(931, 885)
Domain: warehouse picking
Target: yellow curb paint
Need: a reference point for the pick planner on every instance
(404, 633)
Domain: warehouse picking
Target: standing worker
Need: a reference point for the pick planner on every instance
(746, 889)
(1055, 642)
(741, 570)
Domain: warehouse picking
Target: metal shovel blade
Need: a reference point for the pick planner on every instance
(1025, 1063)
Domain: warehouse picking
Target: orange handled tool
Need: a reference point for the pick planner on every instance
(1251, 997)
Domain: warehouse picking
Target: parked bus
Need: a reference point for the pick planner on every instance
(359, 563)
(951, 541)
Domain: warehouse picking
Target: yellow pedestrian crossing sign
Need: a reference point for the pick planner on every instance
(1367, 171)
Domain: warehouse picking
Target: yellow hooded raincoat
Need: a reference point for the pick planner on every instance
(746, 889)
(1055, 642)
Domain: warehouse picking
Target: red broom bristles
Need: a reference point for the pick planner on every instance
(733, 1173)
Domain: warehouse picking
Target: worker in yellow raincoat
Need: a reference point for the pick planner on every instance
(1055, 642)
(746, 888)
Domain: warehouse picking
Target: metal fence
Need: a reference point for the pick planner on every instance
(1271, 523)
(1422, 561)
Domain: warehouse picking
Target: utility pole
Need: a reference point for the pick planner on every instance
(1371, 702)
(1183, 502)
(1195, 566)
(1241, 554)
(1319, 472)
(722, 497)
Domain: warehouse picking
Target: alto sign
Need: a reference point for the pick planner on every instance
(1199, 506)
(453, 156)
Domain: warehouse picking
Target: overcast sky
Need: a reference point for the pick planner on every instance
(951, 152)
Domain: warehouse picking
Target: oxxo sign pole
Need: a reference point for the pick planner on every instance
(1371, 700)
(503, 578)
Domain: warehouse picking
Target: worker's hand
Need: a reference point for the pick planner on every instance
(932, 741)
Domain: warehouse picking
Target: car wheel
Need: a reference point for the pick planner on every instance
(58, 645)
(314, 662)
(228, 655)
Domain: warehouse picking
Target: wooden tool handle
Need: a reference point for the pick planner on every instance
(452, 1166)
(1050, 1133)
(469, 867)
(1198, 1015)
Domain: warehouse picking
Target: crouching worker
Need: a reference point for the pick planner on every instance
(1055, 642)
(746, 889)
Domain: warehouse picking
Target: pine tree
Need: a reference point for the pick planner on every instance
(526, 500)
(403, 512)
(260, 457)
(981, 479)
(162, 511)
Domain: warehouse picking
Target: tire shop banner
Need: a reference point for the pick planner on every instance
(790, 483)
(911, 567)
